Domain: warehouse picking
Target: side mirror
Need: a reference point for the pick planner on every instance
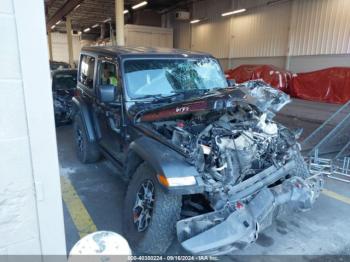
(231, 82)
(107, 93)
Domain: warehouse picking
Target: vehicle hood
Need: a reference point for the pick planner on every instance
(256, 93)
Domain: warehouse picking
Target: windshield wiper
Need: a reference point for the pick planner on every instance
(183, 94)
(155, 98)
(218, 89)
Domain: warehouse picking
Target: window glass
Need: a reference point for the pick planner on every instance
(148, 77)
(65, 80)
(108, 74)
(87, 68)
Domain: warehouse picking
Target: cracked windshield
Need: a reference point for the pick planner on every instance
(165, 77)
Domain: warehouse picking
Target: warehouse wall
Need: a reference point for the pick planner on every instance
(316, 62)
(135, 35)
(31, 219)
(182, 31)
(139, 35)
(320, 27)
(257, 34)
(60, 47)
(212, 35)
(320, 34)
(300, 34)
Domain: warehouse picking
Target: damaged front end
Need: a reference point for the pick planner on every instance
(63, 108)
(239, 222)
(250, 165)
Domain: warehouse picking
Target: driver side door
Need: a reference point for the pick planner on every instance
(109, 116)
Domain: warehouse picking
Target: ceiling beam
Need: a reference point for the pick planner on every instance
(49, 3)
(62, 12)
(178, 5)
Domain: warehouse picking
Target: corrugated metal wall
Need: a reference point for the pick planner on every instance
(211, 35)
(261, 32)
(317, 27)
(136, 35)
(212, 38)
(182, 31)
(248, 35)
(320, 27)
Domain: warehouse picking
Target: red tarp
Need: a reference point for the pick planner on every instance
(331, 85)
(272, 75)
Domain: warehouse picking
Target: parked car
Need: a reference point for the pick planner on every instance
(64, 82)
(204, 160)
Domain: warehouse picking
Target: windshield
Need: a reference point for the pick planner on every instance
(166, 77)
(65, 81)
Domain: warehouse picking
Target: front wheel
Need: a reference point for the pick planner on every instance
(150, 214)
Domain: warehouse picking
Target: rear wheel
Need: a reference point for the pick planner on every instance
(87, 151)
(150, 214)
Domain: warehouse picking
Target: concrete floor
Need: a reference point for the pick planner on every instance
(323, 230)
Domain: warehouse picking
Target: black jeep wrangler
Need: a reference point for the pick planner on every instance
(203, 159)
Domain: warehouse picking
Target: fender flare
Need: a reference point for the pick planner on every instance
(168, 163)
(81, 108)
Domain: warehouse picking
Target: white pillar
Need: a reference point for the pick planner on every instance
(31, 217)
(119, 22)
(69, 40)
(49, 38)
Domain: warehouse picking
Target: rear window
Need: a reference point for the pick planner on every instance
(64, 81)
(87, 69)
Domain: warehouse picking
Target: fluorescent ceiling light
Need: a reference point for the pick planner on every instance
(126, 11)
(52, 27)
(107, 20)
(95, 25)
(195, 21)
(139, 5)
(58, 22)
(234, 12)
(87, 29)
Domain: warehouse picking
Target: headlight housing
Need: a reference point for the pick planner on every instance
(177, 181)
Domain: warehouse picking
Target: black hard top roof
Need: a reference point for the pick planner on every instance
(141, 51)
(64, 71)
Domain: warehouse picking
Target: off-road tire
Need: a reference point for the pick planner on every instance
(160, 232)
(87, 152)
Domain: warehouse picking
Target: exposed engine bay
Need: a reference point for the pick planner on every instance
(63, 108)
(64, 83)
(243, 157)
(228, 148)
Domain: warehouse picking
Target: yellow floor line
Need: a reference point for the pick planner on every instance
(76, 208)
(336, 196)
